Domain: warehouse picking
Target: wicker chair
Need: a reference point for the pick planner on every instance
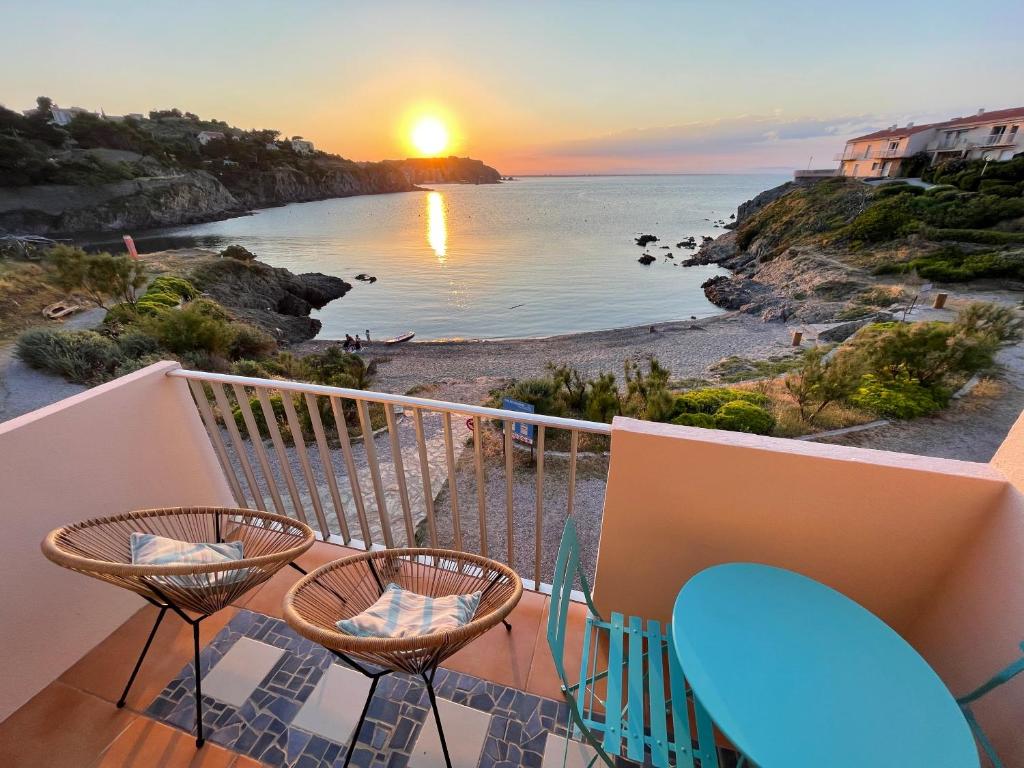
(346, 587)
(100, 548)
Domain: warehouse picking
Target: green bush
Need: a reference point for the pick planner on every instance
(711, 399)
(901, 398)
(135, 344)
(159, 299)
(190, 329)
(251, 342)
(986, 236)
(897, 188)
(541, 393)
(953, 265)
(249, 368)
(743, 416)
(884, 220)
(82, 357)
(337, 368)
(176, 286)
(702, 420)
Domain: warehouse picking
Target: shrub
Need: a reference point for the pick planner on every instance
(134, 344)
(190, 329)
(541, 393)
(702, 420)
(711, 399)
(897, 188)
(816, 384)
(176, 286)
(82, 357)
(276, 406)
(987, 236)
(884, 220)
(98, 275)
(252, 342)
(743, 416)
(602, 398)
(249, 368)
(901, 398)
(337, 368)
(950, 264)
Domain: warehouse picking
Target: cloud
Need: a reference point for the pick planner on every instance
(742, 135)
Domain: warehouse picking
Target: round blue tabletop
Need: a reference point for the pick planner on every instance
(796, 674)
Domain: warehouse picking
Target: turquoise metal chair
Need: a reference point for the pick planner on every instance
(965, 702)
(635, 718)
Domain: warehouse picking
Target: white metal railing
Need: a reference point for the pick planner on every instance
(371, 469)
(1000, 139)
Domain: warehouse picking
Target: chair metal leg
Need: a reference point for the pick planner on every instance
(145, 650)
(437, 716)
(362, 717)
(507, 625)
(199, 688)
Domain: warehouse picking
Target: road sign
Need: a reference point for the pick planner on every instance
(521, 432)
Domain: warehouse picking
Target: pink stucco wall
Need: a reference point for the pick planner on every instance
(932, 546)
(133, 443)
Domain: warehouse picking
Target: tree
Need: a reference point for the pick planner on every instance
(647, 394)
(99, 275)
(816, 383)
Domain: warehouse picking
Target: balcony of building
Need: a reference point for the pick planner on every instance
(930, 546)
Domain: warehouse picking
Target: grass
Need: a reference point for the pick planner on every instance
(789, 423)
(733, 369)
(26, 288)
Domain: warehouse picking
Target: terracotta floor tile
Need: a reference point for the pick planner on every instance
(105, 669)
(543, 679)
(60, 726)
(268, 597)
(149, 744)
(501, 656)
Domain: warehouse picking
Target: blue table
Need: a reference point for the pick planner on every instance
(796, 674)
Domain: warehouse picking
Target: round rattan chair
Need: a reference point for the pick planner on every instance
(101, 548)
(346, 587)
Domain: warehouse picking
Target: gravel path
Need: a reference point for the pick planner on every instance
(687, 348)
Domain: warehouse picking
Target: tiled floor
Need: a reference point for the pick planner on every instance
(487, 689)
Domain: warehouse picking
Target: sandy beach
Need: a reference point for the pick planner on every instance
(687, 348)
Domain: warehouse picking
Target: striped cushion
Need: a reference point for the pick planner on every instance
(150, 549)
(400, 613)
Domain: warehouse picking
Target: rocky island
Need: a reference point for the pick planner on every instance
(100, 174)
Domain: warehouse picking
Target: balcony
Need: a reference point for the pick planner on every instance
(872, 154)
(1005, 139)
(931, 546)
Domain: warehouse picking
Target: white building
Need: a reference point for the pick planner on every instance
(205, 137)
(302, 146)
(994, 135)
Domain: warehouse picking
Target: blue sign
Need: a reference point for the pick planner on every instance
(523, 433)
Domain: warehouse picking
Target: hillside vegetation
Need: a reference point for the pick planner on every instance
(827, 250)
(98, 173)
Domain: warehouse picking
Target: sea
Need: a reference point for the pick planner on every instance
(532, 257)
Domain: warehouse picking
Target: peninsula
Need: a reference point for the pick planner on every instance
(68, 171)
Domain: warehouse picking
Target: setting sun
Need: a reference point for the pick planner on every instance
(429, 136)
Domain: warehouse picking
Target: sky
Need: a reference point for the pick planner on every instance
(689, 86)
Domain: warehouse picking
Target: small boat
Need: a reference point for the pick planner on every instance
(60, 309)
(400, 339)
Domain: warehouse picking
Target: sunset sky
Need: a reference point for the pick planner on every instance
(572, 87)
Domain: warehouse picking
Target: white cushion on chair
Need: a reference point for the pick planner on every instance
(401, 613)
(150, 549)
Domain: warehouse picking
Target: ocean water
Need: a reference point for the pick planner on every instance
(527, 258)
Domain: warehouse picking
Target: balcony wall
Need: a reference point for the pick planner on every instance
(133, 443)
(930, 545)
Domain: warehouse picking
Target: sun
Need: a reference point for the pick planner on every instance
(429, 136)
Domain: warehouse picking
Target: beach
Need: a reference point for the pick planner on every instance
(687, 348)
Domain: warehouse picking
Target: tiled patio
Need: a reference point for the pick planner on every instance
(275, 696)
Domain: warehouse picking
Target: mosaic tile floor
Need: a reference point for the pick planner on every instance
(283, 700)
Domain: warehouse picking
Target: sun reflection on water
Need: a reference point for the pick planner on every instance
(437, 227)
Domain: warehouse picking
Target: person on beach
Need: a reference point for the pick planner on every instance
(357, 345)
(367, 335)
(349, 341)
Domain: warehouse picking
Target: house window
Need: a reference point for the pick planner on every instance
(867, 151)
(856, 169)
(894, 145)
(874, 166)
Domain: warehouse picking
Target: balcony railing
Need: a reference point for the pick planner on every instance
(370, 469)
(1000, 139)
(872, 154)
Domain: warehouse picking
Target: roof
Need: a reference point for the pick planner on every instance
(985, 117)
(893, 132)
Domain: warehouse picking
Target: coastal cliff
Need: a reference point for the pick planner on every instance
(840, 249)
(97, 175)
